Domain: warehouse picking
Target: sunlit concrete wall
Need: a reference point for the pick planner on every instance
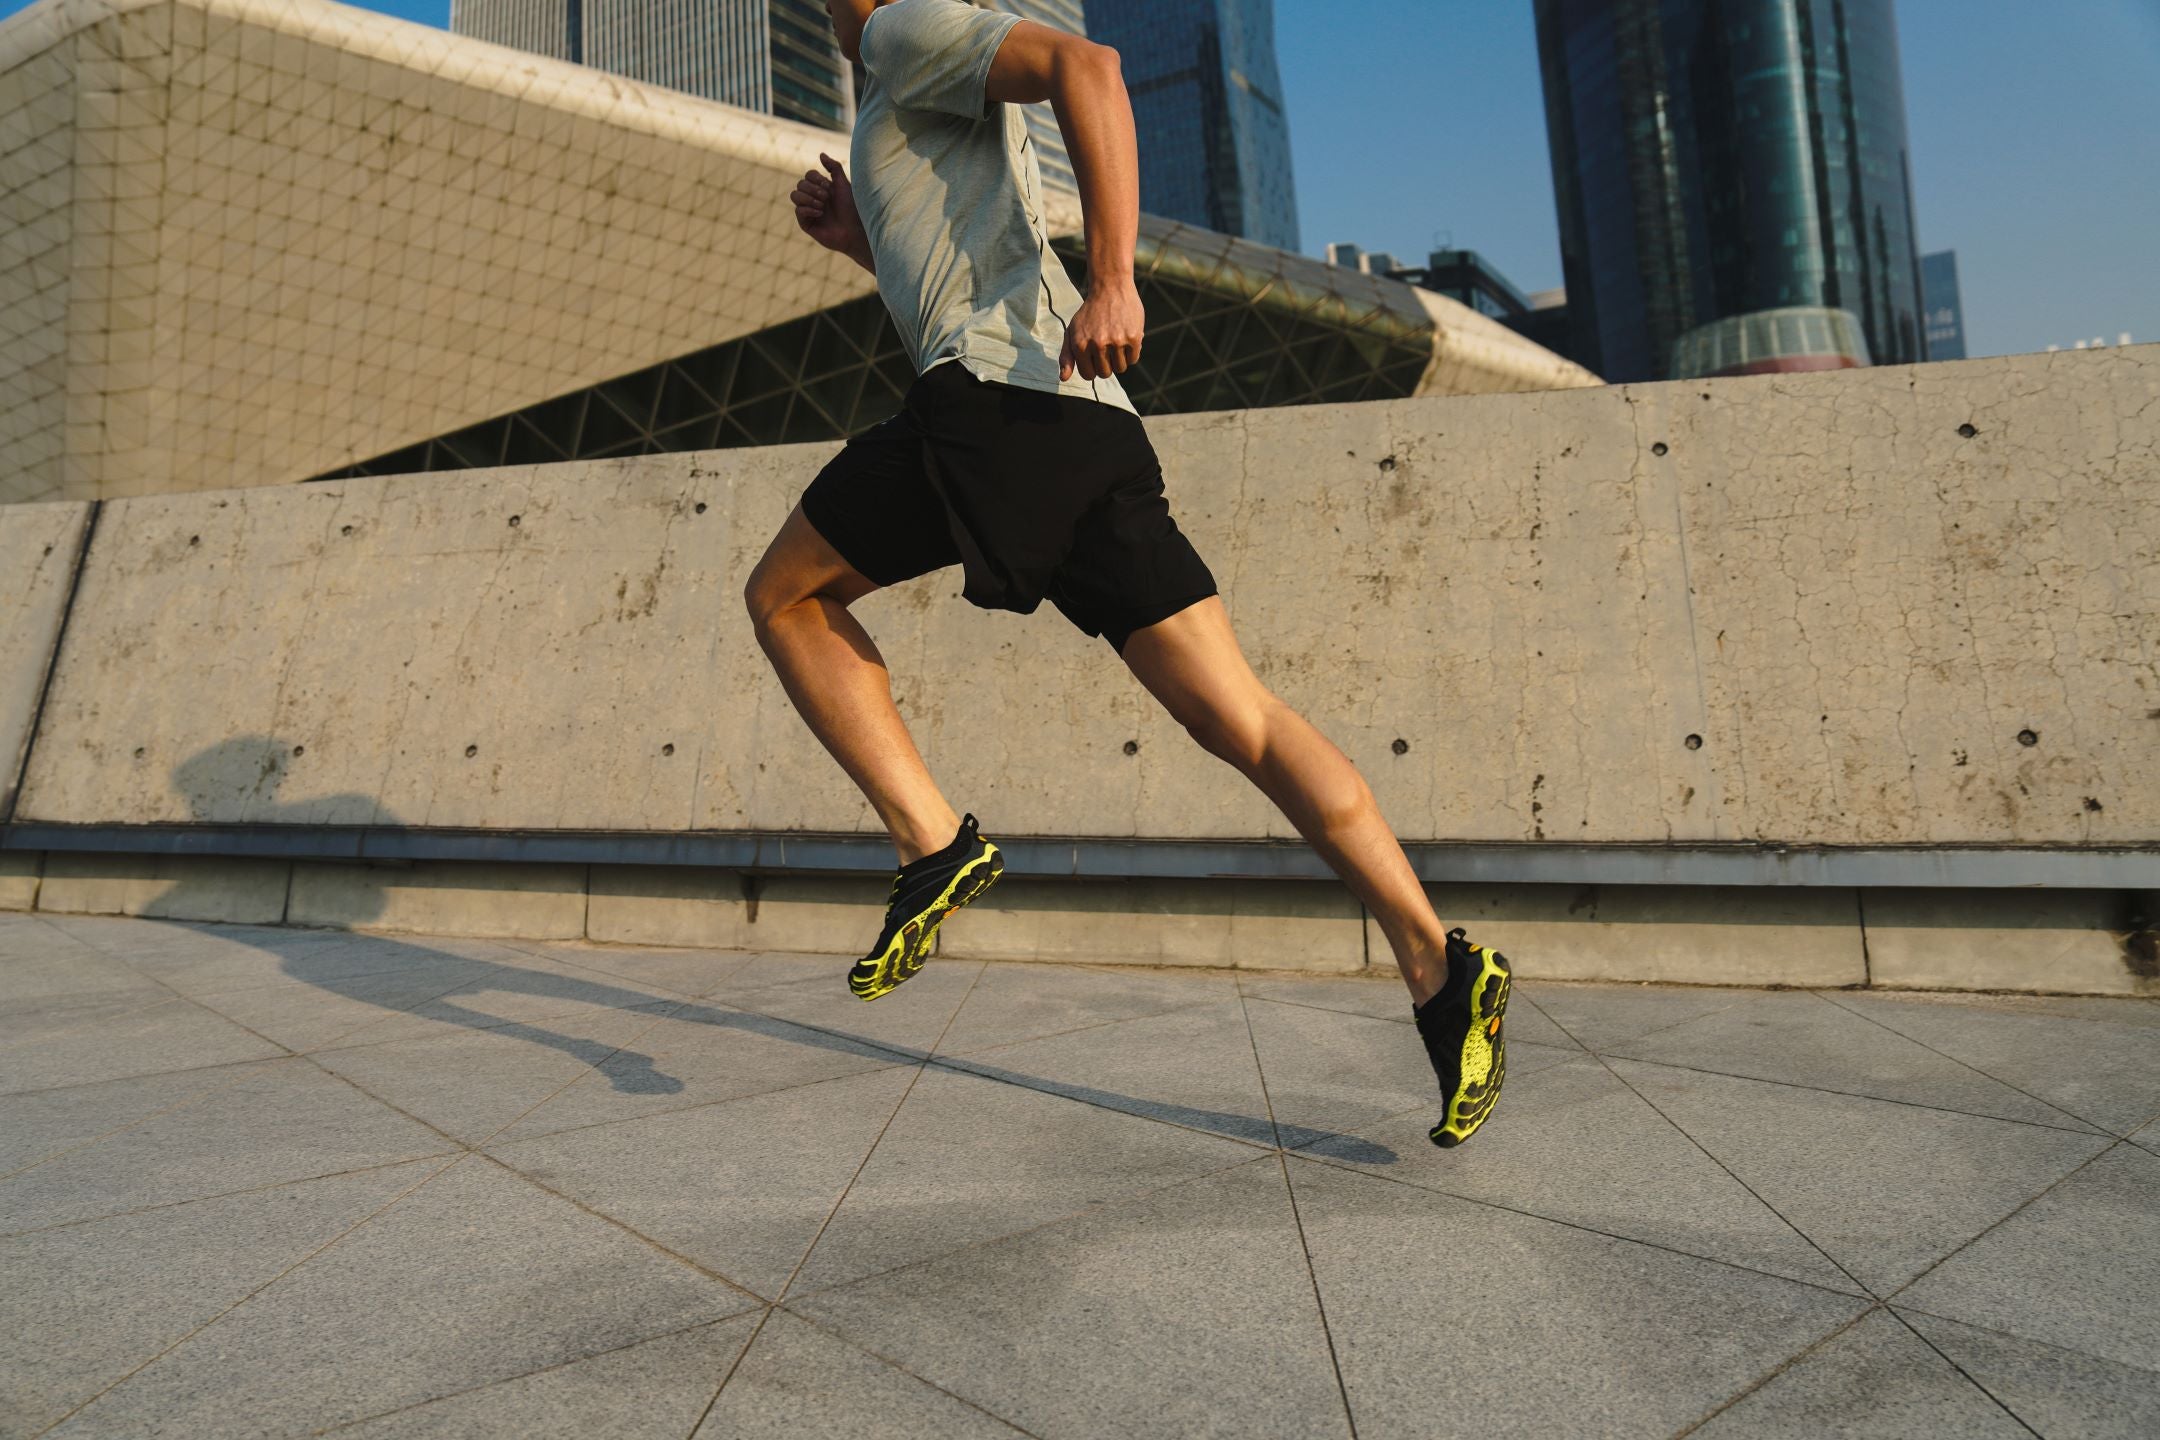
(1915, 606)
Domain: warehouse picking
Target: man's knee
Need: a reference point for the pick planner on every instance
(770, 592)
(1235, 734)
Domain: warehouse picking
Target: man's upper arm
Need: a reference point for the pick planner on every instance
(938, 54)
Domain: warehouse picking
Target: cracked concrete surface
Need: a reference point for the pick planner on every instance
(1876, 628)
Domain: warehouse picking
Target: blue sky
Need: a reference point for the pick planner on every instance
(2035, 133)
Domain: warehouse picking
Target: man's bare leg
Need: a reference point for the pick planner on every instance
(1192, 664)
(798, 597)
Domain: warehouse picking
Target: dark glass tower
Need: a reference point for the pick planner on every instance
(1729, 174)
(1207, 103)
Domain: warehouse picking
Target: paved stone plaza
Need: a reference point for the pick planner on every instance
(269, 1181)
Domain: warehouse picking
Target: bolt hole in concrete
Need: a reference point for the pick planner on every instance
(471, 750)
(2027, 737)
(700, 507)
(1132, 747)
(1693, 742)
(514, 520)
(1967, 431)
(668, 749)
(194, 539)
(344, 529)
(139, 752)
(1401, 747)
(1659, 448)
(299, 749)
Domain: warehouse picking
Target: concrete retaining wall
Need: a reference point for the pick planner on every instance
(1908, 607)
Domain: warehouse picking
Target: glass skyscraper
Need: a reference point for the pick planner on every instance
(775, 56)
(1207, 101)
(1945, 307)
(1043, 132)
(1729, 174)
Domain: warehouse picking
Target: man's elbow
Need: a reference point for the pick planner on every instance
(1084, 66)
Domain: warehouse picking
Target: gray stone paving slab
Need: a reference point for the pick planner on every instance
(1042, 1197)
(85, 1304)
(2109, 1078)
(1583, 1335)
(1012, 1003)
(2055, 1391)
(474, 1277)
(909, 1020)
(699, 1053)
(679, 972)
(42, 1124)
(40, 965)
(1572, 1142)
(1799, 1038)
(655, 1390)
(2079, 1267)
(1602, 1016)
(349, 1009)
(1191, 1067)
(276, 1123)
(800, 1383)
(1385, 998)
(1885, 1189)
(741, 1187)
(1330, 1074)
(473, 1085)
(1876, 1381)
(81, 1043)
(968, 1159)
(1187, 1312)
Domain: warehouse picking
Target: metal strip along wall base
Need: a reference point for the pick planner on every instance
(1974, 867)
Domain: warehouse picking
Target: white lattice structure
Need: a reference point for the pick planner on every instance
(246, 241)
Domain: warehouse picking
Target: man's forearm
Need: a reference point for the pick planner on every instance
(1095, 116)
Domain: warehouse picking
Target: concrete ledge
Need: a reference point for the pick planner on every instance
(1690, 935)
(173, 887)
(2090, 942)
(526, 902)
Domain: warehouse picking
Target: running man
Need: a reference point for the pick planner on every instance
(1017, 456)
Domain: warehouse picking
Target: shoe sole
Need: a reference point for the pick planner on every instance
(911, 943)
(1484, 1053)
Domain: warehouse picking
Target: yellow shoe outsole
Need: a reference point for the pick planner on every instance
(911, 944)
(1484, 1052)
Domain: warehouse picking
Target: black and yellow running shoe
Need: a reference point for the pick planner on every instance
(1461, 1029)
(923, 894)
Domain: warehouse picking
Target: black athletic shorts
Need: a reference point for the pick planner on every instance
(1037, 496)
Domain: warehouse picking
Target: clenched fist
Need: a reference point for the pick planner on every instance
(825, 209)
(1104, 335)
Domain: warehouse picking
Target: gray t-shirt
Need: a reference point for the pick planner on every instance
(951, 198)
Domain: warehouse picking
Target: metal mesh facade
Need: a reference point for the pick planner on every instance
(1231, 325)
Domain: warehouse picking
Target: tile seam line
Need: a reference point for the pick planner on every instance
(2002, 1334)
(1858, 1095)
(1859, 1292)
(526, 1375)
(244, 1190)
(1682, 1131)
(250, 1295)
(117, 1130)
(1967, 1375)
(1048, 1224)
(2007, 1084)
(1297, 1218)
(1788, 1363)
(870, 1151)
(2042, 1193)
(890, 1363)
